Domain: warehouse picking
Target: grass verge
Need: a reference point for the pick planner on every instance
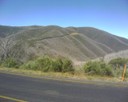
(57, 75)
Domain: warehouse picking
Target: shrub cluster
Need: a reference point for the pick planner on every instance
(98, 68)
(46, 64)
(10, 62)
(60, 64)
(118, 62)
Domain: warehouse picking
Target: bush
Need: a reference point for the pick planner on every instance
(46, 64)
(57, 65)
(10, 62)
(118, 62)
(30, 65)
(98, 68)
(66, 65)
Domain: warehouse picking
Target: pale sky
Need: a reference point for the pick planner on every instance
(108, 15)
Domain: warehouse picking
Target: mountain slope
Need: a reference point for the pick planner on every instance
(76, 43)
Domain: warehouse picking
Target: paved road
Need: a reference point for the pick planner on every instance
(46, 90)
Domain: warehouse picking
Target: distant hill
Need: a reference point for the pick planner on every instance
(76, 43)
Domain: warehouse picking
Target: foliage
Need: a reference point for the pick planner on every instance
(118, 62)
(98, 68)
(65, 65)
(46, 64)
(126, 74)
(30, 65)
(10, 62)
(118, 65)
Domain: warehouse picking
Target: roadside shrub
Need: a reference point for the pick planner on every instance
(106, 69)
(42, 64)
(66, 65)
(10, 62)
(57, 65)
(91, 68)
(118, 62)
(30, 65)
(46, 64)
(98, 68)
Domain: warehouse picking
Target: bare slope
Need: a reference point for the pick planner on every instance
(76, 43)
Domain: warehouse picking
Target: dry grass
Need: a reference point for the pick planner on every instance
(56, 75)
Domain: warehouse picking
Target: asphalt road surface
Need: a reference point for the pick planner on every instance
(15, 88)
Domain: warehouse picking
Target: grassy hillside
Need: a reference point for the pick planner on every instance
(76, 43)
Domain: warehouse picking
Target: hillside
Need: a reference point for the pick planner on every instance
(76, 43)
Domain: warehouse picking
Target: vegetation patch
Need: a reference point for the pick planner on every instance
(10, 63)
(98, 68)
(59, 65)
(48, 64)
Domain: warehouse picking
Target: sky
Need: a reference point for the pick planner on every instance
(107, 15)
